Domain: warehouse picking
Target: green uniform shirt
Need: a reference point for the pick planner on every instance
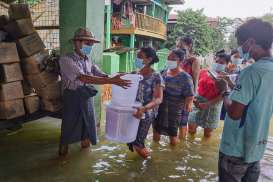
(247, 137)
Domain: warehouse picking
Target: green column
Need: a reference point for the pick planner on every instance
(108, 27)
(132, 53)
(83, 13)
(153, 11)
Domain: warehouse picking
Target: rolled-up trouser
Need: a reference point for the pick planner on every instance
(234, 169)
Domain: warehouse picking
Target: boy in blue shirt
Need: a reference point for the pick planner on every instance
(249, 106)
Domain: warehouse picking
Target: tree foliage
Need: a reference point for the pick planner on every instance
(221, 32)
(194, 24)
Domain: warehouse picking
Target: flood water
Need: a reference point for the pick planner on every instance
(30, 154)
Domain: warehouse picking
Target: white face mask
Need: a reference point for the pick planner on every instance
(171, 64)
(236, 61)
(218, 67)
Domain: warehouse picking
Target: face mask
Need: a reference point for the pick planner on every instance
(218, 67)
(86, 50)
(139, 63)
(236, 61)
(244, 56)
(171, 64)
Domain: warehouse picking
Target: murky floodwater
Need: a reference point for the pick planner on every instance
(30, 154)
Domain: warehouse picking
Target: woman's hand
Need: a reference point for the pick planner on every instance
(140, 112)
(188, 107)
(188, 104)
(196, 103)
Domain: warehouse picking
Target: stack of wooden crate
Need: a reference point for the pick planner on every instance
(11, 92)
(31, 49)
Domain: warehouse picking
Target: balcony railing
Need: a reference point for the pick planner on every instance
(151, 24)
(144, 25)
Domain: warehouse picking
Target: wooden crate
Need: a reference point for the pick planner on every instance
(3, 21)
(51, 91)
(20, 28)
(8, 52)
(34, 64)
(52, 105)
(19, 11)
(30, 45)
(27, 89)
(12, 109)
(41, 80)
(10, 72)
(32, 103)
(11, 91)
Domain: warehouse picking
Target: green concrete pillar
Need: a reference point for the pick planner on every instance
(132, 53)
(108, 27)
(82, 13)
(153, 11)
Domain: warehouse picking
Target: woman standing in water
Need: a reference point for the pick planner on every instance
(208, 102)
(190, 65)
(150, 94)
(178, 96)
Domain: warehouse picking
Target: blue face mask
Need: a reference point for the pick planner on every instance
(171, 64)
(244, 56)
(218, 67)
(139, 63)
(86, 50)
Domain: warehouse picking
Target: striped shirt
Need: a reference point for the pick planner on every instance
(72, 66)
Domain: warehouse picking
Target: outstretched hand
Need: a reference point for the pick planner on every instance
(117, 80)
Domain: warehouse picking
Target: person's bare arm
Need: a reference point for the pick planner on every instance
(195, 73)
(189, 103)
(105, 80)
(234, 109)
(157, 99)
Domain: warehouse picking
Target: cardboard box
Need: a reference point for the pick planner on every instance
(19, 11)
(30, 45)
(12, 109)
(10, 72)
(51, 91)
(41, 80)
(32, 103)
(8, 52)
(34, 64)
(11, 91)
(52, 105)
(20, 28)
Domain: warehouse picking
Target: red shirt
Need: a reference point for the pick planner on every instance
(187, 65)
(206, 86)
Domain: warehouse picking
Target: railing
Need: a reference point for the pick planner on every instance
(143, 25)
(151, 24)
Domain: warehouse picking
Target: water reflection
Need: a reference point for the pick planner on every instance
(30, 154)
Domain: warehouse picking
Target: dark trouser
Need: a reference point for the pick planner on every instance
(234, 169)
(143, 129)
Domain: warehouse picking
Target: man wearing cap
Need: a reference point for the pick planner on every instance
(77, 71)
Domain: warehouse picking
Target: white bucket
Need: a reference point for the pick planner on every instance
(121, 126)
(126, 97)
